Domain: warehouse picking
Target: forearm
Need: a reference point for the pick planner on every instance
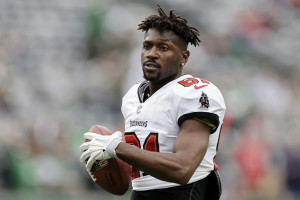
(170, 167)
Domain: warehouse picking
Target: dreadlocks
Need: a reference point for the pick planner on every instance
(172, 22)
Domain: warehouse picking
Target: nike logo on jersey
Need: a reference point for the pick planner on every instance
(198, 87)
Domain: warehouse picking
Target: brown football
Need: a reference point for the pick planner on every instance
(113, 175)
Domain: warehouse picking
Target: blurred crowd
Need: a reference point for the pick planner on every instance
(65, 65)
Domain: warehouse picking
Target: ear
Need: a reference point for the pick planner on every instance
(185, 57)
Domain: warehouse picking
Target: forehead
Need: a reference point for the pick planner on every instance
(167, 35)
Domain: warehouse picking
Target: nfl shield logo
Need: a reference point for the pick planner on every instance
(138, 110)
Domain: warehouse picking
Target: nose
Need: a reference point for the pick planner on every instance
(152, 53)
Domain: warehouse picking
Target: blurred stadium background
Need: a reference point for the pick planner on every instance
(65, 65)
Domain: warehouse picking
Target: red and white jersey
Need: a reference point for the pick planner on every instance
(154, 124)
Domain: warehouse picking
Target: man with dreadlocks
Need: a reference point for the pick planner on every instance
(172, 121)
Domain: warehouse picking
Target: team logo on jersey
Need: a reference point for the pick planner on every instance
(139, 108)
(204, 102)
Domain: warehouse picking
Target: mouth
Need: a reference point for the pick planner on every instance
(151, 66)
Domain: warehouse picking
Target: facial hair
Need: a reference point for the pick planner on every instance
(166, 75)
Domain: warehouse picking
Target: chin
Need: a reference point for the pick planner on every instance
(153, 79)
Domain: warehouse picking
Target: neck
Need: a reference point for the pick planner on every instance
(154, 86)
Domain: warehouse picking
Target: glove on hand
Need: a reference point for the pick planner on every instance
(100, 147)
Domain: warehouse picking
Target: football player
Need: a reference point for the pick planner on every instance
(172, 121)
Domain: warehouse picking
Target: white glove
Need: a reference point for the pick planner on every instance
(100, 147)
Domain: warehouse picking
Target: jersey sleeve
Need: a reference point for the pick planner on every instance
(204, 103)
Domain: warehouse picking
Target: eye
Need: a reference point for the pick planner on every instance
(164, 48)
(146, 46)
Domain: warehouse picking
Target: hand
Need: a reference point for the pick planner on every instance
(100, 147)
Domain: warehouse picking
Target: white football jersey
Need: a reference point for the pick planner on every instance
(154, 123)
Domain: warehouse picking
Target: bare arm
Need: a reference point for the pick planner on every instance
(188, 151)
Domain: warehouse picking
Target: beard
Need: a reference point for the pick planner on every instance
(155, 79)
(164, 76)
(161, 77)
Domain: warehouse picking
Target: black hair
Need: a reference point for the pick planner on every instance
(173, 22)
